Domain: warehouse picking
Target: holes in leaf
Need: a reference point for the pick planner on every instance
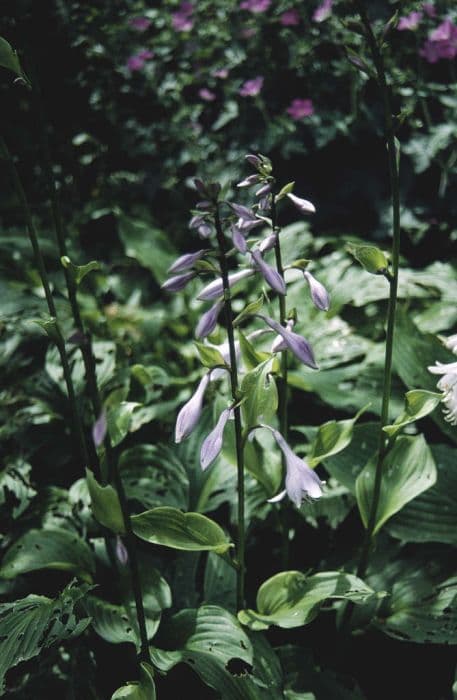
(238, 667)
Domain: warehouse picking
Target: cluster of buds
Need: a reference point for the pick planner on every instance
(239, 226)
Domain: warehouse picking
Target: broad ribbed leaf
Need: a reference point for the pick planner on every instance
(331, 438)
(418, 404)
(259, 390)
(144, 689)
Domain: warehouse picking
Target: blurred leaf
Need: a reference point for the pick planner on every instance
(148, 245)
(120, 419)
(210, 356)
(78, 272)
(371, 258)
(220, 583)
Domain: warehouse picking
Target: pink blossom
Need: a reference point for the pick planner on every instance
(135, 63)
(221, 73)
(251, 88)
(429, 9)
(207, 95)
(290, 18)
(255, 6)
(409, 22)
(299, 109)
(140, 23)
(145, 54)
(182, 20)
(323, 11)
(442, 43)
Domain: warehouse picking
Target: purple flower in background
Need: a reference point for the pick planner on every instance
(409, 22)
(253, 160)
(255, 6)
(140, 23)
(290, 18)
(207, 322)
(185, 262)
(302, 205)
(190, 413)
(207, 95)
(271, 276)
(298, 108)
(301, 481)
(249, 181)
(145, 54)
(182, 21)
(212, 444)
(99, 429)
(204, 230)
(216, 288)
(442, 43)
(221, 73)
(121, 552)
(243, 212)
(268, 243)
(319, 294)
(296, 343)
(135, 63)
(251, 88)
(177, 282)
(429, 9)
(239, 240)
(323, 11)
(279, 344)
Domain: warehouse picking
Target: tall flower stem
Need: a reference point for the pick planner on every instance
(57, 333)
(236, 412)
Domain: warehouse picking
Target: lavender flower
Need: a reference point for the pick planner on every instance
(255, 6)
(216, 288)
(253, 160)
(279, 343)
(181, 20)
(265, 189)
(99, 429)
(298, 108)
(301, 481)
(268, 243)
(251, 88)
(197, 220)
(409, 22)
(271, 276)
(207, 322)
(290, 18)
(185, 262)
(212, 444)
(319, 294)
(447, 384)
(140, 23)
(190, 413)
(207, 95)
(177, 282)
(244, 213)
(296, 343)
(248, 181)
(323, 11)
(239, 240)
(121, 552)
(248, 225)
(204, 230)
(302, 205)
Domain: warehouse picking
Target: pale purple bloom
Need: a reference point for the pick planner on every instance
(177, 282)
(207, 95)
(221, 73)
(197, 221)
(208, 321)
(262, 191)
(252, 87)
(182, 20)
(451, 343)
(212, 444)
(302, 205)
(99, 429)
(298, 108)
(323, 11)
(121, 552)
(296, 343)
(264, 203)
(290, 18)
(279, 344)
(268, 243)
(243, 212)
(255, 6)
(253, 160)
(216, 288)
(319, 294)
(135, 63)
(442, 43)
(238, 239)
(204, 230)
(271, 276)
(190, 413)
(429, 9)
(186, 261)
(247, 225)
(140, 23)
(146, 54)
(250, 180)
(409, 22)
(301, 481)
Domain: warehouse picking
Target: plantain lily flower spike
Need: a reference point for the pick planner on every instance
(271, 276)
(190, 413)
(212, 444)
(296, 343)
(215, 289)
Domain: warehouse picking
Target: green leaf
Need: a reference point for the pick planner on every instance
(170, 527)
(220, 582)
(144, 689)
(250, 355)
(105, 504)
(9, 58)
(51, 328)
(34, 623)
(292, 599)
(260, 394)
(285, 190)
(49, 549)
(347, 465)
(332, 437)
(371, 258)
(78, 272)
(418, 404)
(408, 470)
(15, 484)
(252, 308)
(111, 622)
(120, 420)
(210, 356)
(147, 244)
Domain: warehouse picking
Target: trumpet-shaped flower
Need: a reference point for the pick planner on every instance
(215, 289)
(319, 294)
(296, 343)
(252, 87)
(212, 444)
(301, 481)
(279, 344)
(185, 262)
(323, 11)
(190, 413)
(448, 384)
(271, 276)
(208, 321)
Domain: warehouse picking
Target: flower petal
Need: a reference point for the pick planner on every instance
(208, 321)
(190, 413)
(271, 276)
(212, 444)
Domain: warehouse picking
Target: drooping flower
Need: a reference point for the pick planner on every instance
(186, 261)
(207, 95)
(296, 343)
(252, 87)
(447, 384)
(301, 481)
(253, 160)
(429, 9)
(409, 22)
(238, 239)
(182, 21)
(323, 11)
(268, 242)
(121, 552)
(249, 181)
(141, 24)
(319, 294)
(215, 289)
(300, 108)
(177, 282)
(212, 444)
(135, 63)
(271, 276)
(204, 230)
(279, 343)
(99, 429)
(302, 205)
(255, 6)
(207, 322)
(190, 413)
(146, 54)
(290, 18)
(451, 343)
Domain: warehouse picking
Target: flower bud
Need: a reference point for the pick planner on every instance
(185, 262)
(99, 429)
(239, 240)
(302, 205)
(212, 444)
(216, 287)
(271, 276)
(296, 343)
(178, 282)
(319, 294)
(190, 413)
(207, 322)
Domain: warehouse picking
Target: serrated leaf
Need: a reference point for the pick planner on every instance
(60, 550)
(105, 504)
(370, 257)
(170, 527)
(260, 394)
(418, 404)
(408, 470)
(292, 599)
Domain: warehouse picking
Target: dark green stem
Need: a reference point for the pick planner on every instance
(236, 411)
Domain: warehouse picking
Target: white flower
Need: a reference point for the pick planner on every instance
(448, 384)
